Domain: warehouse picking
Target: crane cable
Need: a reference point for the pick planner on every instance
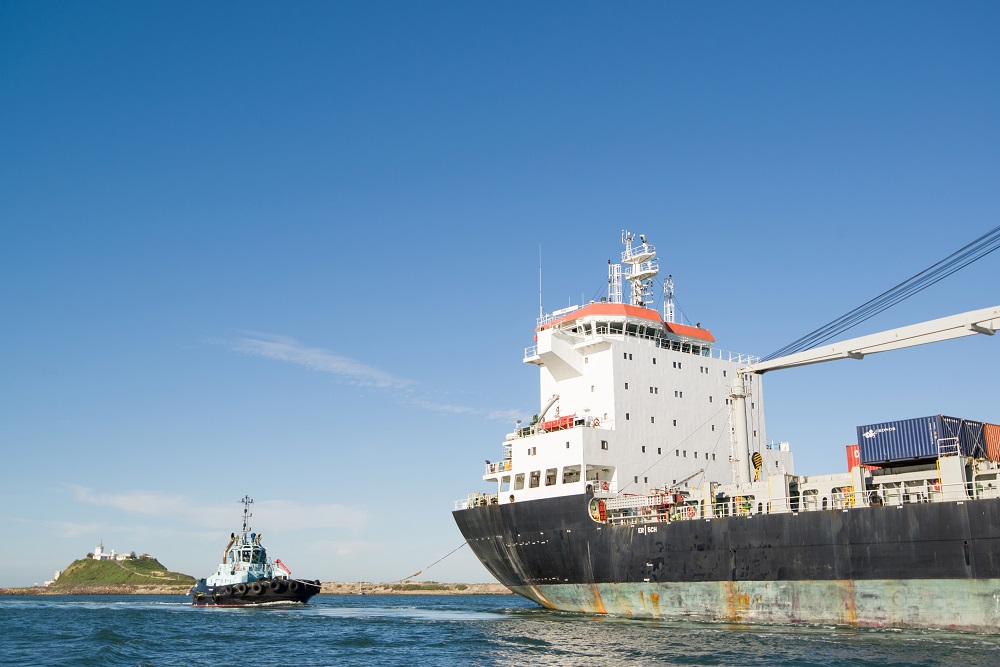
(974, 251)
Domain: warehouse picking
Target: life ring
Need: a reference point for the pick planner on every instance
(597, 422)
(604, 486)
(691, 511)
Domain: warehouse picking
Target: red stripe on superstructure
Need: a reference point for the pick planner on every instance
(606, 309)
(690, 332)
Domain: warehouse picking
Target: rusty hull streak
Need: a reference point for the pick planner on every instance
(541, 599)
(851, 605)
(598, 602)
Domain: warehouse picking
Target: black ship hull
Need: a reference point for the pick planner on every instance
(914, 565)
(263, 592)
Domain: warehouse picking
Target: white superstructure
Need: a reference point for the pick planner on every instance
(631, 402)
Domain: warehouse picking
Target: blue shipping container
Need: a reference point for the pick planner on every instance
(910, 440)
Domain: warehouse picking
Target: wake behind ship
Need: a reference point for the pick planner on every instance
(644, 487)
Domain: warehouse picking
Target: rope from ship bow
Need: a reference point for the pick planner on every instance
(399, 581)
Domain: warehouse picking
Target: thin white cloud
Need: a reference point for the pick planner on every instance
(291, 516)
(66, 529)
(289, 350)
(435, 406)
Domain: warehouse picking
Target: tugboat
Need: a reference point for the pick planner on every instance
(247, 577)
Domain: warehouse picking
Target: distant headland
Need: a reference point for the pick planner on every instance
(109, 573)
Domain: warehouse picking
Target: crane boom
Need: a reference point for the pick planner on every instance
(984, 321)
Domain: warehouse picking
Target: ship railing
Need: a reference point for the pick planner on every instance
(499, 466)
(737, 357)
(477, 500)
(530, 351)
(629, 510)
(555, 315)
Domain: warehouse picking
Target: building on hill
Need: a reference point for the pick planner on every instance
(100, 555)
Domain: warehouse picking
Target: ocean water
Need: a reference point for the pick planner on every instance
(426, 631)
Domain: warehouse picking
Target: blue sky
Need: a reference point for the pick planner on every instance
(292, 251)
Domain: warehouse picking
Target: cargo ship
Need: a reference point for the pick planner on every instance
(645, 486)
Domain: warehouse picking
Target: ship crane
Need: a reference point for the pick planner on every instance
(985, 321)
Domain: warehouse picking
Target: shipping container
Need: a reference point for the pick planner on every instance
(991, 438)
(853, 457)
(922, 438)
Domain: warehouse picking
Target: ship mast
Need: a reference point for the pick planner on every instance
(642, 268)
(247, 501)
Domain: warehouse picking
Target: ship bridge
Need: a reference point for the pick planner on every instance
(588, 325)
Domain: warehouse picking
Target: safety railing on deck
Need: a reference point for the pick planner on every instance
(631, 510)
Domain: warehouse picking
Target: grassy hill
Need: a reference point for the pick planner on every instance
(139, 571)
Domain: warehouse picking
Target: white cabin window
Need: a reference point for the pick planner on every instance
(535, 479)
(591, 389)
(567, 444)
(652, 420)
(519, 481)
(659, 450)
(604, 444)
(644, 449)
(626, 385)
(675, 422)
(654, 361)
(626, 416)
(636, 478)
(550, 476)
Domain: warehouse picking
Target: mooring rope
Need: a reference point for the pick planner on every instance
(399, 581)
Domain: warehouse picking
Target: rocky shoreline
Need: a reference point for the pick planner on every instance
(328, 588)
